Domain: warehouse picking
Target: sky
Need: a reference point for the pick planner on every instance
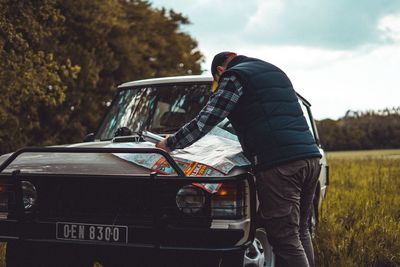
(339, 55)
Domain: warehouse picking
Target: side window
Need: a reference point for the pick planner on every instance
(310, 121)
(307, 115)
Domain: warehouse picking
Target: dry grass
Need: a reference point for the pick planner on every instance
(360, 220)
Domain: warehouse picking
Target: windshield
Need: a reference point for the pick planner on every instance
(159, 109)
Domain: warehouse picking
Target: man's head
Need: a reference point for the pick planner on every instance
(218, 66)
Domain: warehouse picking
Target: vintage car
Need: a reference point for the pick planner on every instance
(117, 200)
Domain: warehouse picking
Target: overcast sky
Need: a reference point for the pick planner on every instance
(339, 54)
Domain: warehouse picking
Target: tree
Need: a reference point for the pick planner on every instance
(60, 62)
(30, 78)
(114, 41)
(362, 130)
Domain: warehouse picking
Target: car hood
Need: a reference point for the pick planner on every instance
(68, 163)
(211, 156)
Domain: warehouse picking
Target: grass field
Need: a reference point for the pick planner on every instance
(360, 219)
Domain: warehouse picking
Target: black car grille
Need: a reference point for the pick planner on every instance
(114, 200)
(111, 201)
(125, 201)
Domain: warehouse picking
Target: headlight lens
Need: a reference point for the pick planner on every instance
(228, 202)
(190, 199)
(29, 194)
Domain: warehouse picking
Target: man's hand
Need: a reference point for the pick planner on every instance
(163, 145)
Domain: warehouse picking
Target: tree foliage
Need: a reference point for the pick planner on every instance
(60, 62)
(362, 130)
(31, 78)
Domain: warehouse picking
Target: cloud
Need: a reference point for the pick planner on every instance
(339, 24)
(215, 21)
(390, 27)
(337, 81)
(333, 80)
(339, 54)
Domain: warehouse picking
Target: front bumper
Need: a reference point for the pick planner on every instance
(159, 230)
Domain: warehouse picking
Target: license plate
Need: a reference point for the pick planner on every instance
(92, 232)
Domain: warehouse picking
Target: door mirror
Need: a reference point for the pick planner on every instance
(89, 138)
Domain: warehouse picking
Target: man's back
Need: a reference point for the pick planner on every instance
(268, 118)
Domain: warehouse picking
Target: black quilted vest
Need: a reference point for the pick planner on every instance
(268, 118)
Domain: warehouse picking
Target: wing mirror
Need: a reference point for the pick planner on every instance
(89, 138)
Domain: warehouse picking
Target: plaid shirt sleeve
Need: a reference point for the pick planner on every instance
(220, 104)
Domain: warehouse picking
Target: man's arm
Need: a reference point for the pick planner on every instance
(220, 104)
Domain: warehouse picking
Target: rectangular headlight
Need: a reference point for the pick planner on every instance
(229, 202)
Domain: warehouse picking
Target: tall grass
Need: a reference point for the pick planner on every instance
(360, 219)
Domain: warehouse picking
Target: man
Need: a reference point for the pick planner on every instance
(260, 102)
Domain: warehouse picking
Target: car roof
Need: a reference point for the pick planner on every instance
(180, 79)
(166, 80)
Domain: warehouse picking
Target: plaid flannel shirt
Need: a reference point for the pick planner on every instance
(220, 104)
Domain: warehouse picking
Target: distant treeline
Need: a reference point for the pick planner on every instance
(362, 130)
(61, 60)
